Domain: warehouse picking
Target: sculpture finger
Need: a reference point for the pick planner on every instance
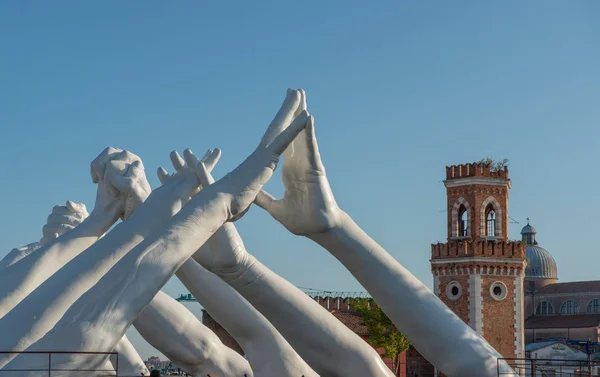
(126, 156)
(191, 159)
(77, 207)
(163, 175)
(61, 210)
(212, 159)
(99, 163)
(283, 117)
(288, 135)
(177, 161)
(264, 200)
(58, 229)
(302, 105)
(208, 152)
(204, 176)
(314, 156)
(54, 219)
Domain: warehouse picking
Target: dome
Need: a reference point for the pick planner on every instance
(540, 264)
(528, 229)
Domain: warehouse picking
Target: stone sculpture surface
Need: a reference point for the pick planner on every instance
(61, 220)
(77, 292)
(99, 318)
(172, 329)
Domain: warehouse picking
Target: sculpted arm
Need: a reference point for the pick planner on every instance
(305, 324)
(308, 208)
(172, 329)
(100, 317)
(41, 309)
(130, 362)
(265, 348)
(24, 276)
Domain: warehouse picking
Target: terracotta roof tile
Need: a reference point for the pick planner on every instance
(571, 287)
(352, 320)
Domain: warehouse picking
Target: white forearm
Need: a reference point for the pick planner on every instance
(20, 279)
(172, 329)
(130, 362)
(37, 313)
(308, 327)
(413, 308)
(267, 351)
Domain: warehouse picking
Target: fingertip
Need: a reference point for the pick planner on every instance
(163, 175)
(203, 175)
(176, 160)
(71, 206)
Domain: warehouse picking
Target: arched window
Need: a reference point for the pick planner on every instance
(593, 306)
(463, 221)
(490, 224)
(569, 307)
(544, 308)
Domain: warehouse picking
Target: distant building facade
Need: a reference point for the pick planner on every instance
(478, 272)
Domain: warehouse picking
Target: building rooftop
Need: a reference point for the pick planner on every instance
(570, 288)
(536, 346)
(562, 321)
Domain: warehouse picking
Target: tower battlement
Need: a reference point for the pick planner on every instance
(480, 248)
(475, 169)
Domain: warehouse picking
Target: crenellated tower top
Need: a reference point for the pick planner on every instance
(475, 169)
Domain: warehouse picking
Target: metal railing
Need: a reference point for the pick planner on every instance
(547, 368)
(47, 370)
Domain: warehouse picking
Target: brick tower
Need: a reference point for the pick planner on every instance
(479, 273)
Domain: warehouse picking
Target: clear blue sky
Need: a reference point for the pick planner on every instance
(399, 90)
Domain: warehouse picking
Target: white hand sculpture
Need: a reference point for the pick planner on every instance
(62, 219)
(308, 205)
(22, 277)
(122, 184)
(32, 318)
(308, 208)
(100, 317)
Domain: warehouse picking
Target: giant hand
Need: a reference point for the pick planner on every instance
(122, 184)
(99, 318)
(62, 219)
(308, 205)
(308, 208)
(110, 169)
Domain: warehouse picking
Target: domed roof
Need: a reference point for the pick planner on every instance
(528, 229)
(540, 263)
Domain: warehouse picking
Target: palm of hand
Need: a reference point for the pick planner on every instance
(308, 205)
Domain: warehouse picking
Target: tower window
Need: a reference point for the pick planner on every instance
(498, 291)
(544, 308)
(569, 307)
(490, 229)
(463, 222)
(453, 290)
(594, 306)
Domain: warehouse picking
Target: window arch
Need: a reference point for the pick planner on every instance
(490, 221)
(544, 308)
(569, 307)
(491, 218)
(461, 218)
(593, 306)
